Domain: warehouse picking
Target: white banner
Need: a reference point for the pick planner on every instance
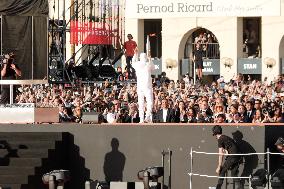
(147, 9)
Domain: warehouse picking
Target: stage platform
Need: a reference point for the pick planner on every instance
(142, 144)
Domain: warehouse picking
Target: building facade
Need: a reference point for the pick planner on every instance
(245, 41)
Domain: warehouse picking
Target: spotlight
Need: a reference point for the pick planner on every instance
(150, 174)
(56, 177)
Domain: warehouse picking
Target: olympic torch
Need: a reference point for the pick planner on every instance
(148, 47)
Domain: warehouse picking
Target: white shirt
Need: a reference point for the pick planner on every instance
(165, 113)
(111, 117)
(143, 72)
(249, 113)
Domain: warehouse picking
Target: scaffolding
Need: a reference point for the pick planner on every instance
(65, 50)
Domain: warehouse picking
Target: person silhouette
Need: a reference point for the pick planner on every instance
(114, 163)
(250, 162)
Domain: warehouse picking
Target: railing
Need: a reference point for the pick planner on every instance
(191, 173)
(11, 83)
(210, 50)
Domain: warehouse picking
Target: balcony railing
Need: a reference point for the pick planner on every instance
(210, 50)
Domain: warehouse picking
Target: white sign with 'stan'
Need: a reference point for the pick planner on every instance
(143, 9)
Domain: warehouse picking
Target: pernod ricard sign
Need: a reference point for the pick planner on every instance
(201, 8)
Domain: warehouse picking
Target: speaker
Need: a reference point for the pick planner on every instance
(90, 117)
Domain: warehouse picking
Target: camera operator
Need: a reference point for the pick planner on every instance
(9, 71)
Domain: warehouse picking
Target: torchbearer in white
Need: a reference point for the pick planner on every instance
(143, 69)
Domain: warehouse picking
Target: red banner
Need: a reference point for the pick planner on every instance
(91, 33)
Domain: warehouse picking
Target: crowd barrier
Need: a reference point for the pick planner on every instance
(191, 173)
(11, 83)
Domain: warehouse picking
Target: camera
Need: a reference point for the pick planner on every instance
(4, 59)
(7, 59)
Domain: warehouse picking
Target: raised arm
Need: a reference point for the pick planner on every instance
(136, 55)
(17, 70)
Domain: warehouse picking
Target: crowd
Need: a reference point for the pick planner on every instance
(237, 101)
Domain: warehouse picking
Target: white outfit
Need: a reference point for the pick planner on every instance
(143, 70)
(111, 117)
(165, 114)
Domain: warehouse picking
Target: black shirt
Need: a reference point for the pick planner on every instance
(228, 144)
(10, 73)
(198, 55)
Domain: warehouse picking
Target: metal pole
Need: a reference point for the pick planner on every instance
(191, 168)
(1, 34)
(194, 73)
(268, 167)
(64, 31)
(11, 94)
(47, 49)
(72, 17)
(226, 180)
(58, 9)
(32, 47)
(163, 165)
(1, 47)
(170, 169)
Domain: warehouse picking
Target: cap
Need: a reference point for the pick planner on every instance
(280, 141)
(217, 129)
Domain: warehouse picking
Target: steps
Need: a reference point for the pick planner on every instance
(11, 186)
(27, 153)
(22, 155)
(15, 179)
(37, 144)
(25, 162)
(12, 170)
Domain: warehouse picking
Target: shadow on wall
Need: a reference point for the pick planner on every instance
(114, 163)
(5, 160)
(250, 162)
(272, 133)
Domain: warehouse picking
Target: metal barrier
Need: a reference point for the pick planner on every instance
(210, 50)
(11, 83)
(191, 174)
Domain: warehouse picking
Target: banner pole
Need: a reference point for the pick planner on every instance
(32, 47)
